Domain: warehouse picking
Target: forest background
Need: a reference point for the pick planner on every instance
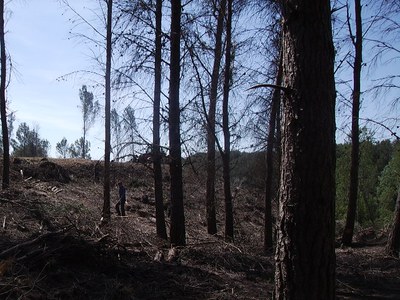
(51, 68)
(249, 82)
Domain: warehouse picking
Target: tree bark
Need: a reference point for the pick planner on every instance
(393, 244)
(158, 191)
(177, 233)
(275, 104)
(355, 139)
(210, 189)
(106, 214)
(3, 102)
(305, 250)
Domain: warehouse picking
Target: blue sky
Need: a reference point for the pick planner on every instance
(42, 50)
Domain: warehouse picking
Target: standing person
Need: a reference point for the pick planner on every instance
(122, 199)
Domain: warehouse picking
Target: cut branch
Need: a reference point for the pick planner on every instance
(13, 249)
(274, 86)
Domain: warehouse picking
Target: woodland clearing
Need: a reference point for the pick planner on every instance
(52, 246)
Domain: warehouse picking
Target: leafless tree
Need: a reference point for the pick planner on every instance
(3, 102)
(357, 41)
(226, 153)
(158, 185)
(106, 214)
(177, 234)
(220, 8)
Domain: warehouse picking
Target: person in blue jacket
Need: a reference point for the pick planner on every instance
(122, 199)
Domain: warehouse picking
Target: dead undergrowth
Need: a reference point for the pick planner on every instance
(52, 246)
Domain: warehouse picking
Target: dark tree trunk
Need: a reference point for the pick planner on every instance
(3, 109)
(226, 156)
(305, 249)
(210, 189)
(355, 140)
(275, 103)
(158, 191)
(106, 214)
(177, 234)
(83, 156)
(393, 244)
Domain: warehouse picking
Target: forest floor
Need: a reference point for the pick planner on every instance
(52, 246)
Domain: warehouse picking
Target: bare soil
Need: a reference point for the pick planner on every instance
(52, 246)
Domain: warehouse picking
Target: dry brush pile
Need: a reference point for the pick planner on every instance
(52, 246)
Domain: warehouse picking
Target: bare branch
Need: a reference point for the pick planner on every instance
(274, 86)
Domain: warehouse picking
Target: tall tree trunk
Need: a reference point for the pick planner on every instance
(226, 155)
(305, 250)
(177, 234)
(3, 102)
(275, 103)
(107, 144)
(210, 189)
(355, 139)
(393, 244)
(84, 143)
(158, 191)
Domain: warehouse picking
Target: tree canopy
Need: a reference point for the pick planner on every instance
(28, 143)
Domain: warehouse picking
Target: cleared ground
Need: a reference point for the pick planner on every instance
(52, 246)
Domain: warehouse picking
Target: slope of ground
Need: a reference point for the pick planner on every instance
(52, 246)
